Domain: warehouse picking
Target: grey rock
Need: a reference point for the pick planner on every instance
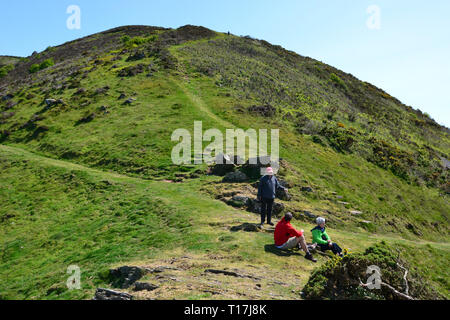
(140, 286)
(107, 294)
(224, 164)
(236, 176)
(306, 189)
(129, 101)
(283, 194)
(50, 102)
(309, 214)
(125, 276)
(252, 168)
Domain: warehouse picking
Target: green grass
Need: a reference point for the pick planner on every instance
(90, 192)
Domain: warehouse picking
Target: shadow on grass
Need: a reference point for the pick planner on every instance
(271, 248)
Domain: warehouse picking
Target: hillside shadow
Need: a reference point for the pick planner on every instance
(271, 248)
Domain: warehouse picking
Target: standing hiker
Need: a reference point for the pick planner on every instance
(287, 237)
(267, 188)
(322, 239)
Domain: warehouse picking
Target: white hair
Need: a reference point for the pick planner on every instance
(320, 220)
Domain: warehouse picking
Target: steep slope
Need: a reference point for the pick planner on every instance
(110, 102)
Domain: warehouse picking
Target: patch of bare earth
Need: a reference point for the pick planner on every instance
(214, 276)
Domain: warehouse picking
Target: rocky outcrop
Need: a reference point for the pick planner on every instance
(107, 294)
(124, 277)
(283, 194)
(225, 164)
(238, 201)
(236, 176)
(252, 168)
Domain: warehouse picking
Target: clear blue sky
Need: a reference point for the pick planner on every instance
(408, 57)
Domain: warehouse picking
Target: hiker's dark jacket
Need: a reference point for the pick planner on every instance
(268, 186)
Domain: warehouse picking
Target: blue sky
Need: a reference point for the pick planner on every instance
(408, 56)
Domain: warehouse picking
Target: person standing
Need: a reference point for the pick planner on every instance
(267, 189)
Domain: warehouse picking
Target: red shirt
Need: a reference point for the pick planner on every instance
(283, 231)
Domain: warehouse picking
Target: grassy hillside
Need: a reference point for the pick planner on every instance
(87, 178)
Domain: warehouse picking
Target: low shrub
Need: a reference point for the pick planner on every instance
(341, 278)
(43, 65)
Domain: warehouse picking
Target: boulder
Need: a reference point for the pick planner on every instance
(224, 164)
(124, 277)
(129, 101)
(132, 70)
(236, 176)
(139, 55)
(306, 189)
(283, 194)
(238, 201)
(285, 184)
(309, 214)
(252, 168)
(50, 102)
(356, 212)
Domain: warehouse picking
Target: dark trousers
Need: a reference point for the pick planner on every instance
(266, 209)
(334, 248)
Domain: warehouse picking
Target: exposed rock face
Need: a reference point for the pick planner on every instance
(238, 201)
(225, 164)
(309, 214)
(283, 194)
(236, 176)
(139, 55)
(252, 168)
(125, 276)
(107, 294)
(132, 70)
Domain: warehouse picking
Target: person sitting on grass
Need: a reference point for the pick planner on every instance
(322, 239)
(287, 237)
